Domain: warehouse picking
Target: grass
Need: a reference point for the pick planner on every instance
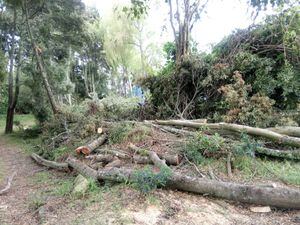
(16, 138)
(256, 168)
(26, 120)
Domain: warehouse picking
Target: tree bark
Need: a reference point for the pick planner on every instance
(88, 149)
(286, 154)
(49, 164)
(36, 50)
(287, 130)
(10, 108)
(261, 195)
(268, 134)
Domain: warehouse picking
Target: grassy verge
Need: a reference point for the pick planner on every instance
(16, 137)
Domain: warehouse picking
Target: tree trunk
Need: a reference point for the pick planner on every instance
(286, 154)
(253, 194)
(268, 134)
(43, 72)
(287, 130)
(261, 195)
(49, 164)
(10, 108)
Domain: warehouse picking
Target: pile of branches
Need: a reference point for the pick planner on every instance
(117, 165)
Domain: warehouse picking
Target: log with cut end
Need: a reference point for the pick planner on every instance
(49, 164)
(261, 195)
(89, 148)
(277, 197)
(265, 133)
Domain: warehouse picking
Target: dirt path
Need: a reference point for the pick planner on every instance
(114, 205)
(14, 204)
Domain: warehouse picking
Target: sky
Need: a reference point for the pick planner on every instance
(222, 17)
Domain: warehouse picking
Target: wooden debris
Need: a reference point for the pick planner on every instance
(253, 194)
(265, 133)
(88, 149)
(263, 209)
(171, 159)
(49, 164)
(9, 183)
(286, 130)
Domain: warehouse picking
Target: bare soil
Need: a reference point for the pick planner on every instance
(31, 201)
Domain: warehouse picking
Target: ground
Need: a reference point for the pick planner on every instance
(41, 196)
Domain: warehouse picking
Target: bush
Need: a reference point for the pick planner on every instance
(254, 111)
(247, 147)
(119, 108)
(128, 132)
(202, 145)
(146, 180)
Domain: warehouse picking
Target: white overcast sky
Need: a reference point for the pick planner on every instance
(223, 16)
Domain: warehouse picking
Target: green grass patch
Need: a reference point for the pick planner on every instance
(250, 168)
(24, 120)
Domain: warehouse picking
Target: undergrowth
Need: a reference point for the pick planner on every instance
(204, 146)
(122, 132)
(146, 180)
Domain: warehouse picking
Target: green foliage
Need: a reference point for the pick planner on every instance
(255, 111)
(3, 99)
(247, 147)
(146, 180)
(119, 133)
(63, 187)
(202, 145)
(122, 132)
(137, 9)
(119, 108)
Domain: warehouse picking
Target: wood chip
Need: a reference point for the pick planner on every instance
(262, 209)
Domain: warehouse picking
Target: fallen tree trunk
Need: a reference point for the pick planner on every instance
(49, 164)
(286, 130)
(8, 185)
(278, 197)
(88, 149)
(287, 154)
(268, 134)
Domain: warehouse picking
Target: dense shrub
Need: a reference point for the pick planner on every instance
(202, 145)
(267, 57)
(255, 111)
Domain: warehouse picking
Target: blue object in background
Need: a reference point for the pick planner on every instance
(138, 92)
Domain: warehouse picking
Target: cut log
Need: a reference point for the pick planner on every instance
(286, 130)
(261, 195)
(268, 134)
(88, 149)
(277, 197)
(83, 169)
(49, 164)
(9, 183)
(287, 154)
